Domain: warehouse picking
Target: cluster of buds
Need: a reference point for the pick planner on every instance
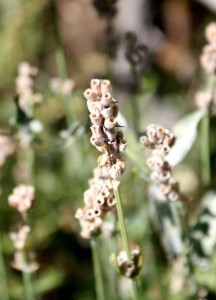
(61, 87)
(19, 235)
(160, 140)
(22, 198)
(132, 268)
(20, 264)
(7, 147)
(103, 112)
(99, 200)
(24, 85)
(135, 52)
(208, 57)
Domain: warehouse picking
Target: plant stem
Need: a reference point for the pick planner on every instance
(122, 223)
(28, 287)
(124, 237)
(4, 292)
(205, 150)
(99, 286)
(135, 113)
(61, 63)
(134, 105)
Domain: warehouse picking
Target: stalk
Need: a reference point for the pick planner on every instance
(134, 104)
(205, 150)
(99, 285)
(28, 286)
(3, 276)
(61, 63)
(124, 237)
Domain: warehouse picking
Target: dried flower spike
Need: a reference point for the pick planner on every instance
(99, 201)
(160, 140)
(105, 137)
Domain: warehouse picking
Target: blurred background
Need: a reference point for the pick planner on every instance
(150, 50)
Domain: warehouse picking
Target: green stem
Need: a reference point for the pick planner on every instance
(99, 286)
(124, 237)
(205, 150)
(30, 161)
(28, 286)
(4, 291)
(122, 223)
(61, 63)
(134, 105)
(135, 114)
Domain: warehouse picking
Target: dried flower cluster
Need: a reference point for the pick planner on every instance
(61, 87)
(135, 52)
(20, 264)
(24, 85)
(21, 199)
(129, 269)
(208, 57)
(160, 140)
(99, 200)
(7, 148)
(19, 235)
(103, 112)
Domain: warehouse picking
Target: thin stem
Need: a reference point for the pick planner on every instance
(205, 150)
(135, 113)
(124, 237)
(99, 284)
(28, 286)
(122, 223)
(136, 290)
(134, 104)
(4, 291)
(61, 62)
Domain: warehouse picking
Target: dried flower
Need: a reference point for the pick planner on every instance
(99, 200)
(62, 87)
(160, 140)
(22, 197)
(129, 269)
(135, 53)
(20, 263)
(103, 112)
(19, 235)
(24, 84)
